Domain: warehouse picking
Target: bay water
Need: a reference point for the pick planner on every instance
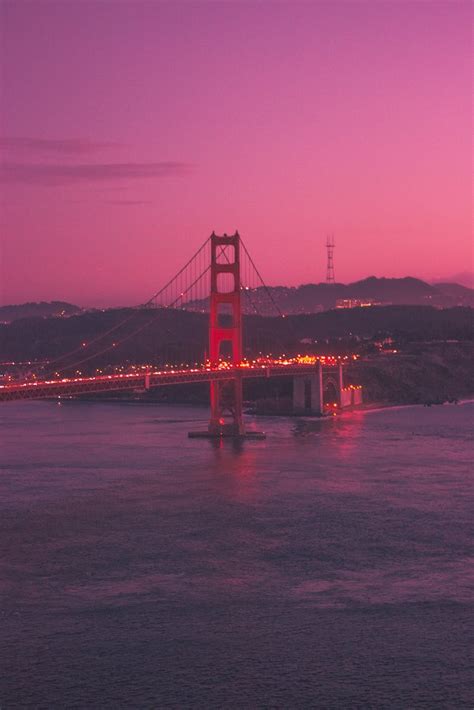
(329, 566)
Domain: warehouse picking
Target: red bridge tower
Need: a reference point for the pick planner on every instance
(225, 327)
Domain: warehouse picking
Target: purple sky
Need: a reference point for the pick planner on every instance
(130, 130)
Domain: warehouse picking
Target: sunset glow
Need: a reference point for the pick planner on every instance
(131, 130)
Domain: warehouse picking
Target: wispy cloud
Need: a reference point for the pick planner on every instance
(128, 202)
(53, 146)
(59, 174)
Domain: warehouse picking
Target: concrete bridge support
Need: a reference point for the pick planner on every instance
(308, 393)
(300, 385)
(340, 381)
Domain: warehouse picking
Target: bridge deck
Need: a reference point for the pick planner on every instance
(67, 387)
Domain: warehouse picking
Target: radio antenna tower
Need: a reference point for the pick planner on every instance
(330, 266)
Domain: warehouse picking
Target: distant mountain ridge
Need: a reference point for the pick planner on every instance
(454, 289)
(464, 278)
(313, 298)
(42, 309)
(294, 300)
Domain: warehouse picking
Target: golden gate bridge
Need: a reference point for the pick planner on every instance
(221, 275)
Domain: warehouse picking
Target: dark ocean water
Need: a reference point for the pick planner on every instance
(330, 566)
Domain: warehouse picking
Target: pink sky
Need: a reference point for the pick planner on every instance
(130, 130)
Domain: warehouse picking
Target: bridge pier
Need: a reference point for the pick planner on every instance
(340, 380)
(226, 398)
(308, 393)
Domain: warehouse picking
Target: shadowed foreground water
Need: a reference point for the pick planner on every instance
(330, 566)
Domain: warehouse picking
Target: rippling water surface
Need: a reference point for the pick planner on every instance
(329, 566)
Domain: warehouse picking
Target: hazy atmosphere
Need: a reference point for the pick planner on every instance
(129, 131)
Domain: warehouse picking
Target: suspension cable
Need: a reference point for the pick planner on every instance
(127, 319)
(267, 290)
(137, 330)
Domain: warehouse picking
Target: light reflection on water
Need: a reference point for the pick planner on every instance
(330, 565)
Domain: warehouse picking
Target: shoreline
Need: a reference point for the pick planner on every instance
(367, 408)
(381, 406)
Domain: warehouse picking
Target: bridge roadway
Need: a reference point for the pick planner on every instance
(67, 387)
